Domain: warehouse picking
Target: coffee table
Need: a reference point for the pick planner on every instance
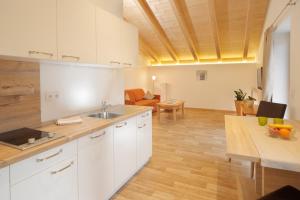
(174, 105)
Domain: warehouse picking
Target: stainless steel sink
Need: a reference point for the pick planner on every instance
(104, 115)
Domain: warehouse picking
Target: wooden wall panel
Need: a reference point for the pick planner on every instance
(19, 111)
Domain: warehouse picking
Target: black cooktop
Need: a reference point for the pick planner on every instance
(20, 136)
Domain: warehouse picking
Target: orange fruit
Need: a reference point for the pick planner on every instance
(285, 133)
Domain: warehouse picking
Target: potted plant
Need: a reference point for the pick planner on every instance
(239, 101)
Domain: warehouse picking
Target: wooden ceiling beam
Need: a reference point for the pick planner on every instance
(248, 28)
(215, 29)
(148, 50)
(185, 22)
(149, 15)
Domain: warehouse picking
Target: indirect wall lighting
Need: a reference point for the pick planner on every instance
(201, 63)
(153, 78)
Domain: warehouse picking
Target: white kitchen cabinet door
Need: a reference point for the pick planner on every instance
(4, 183)
(144, 141)
(129, 45)
(95, 165)
(108, 39)
(124, 151)
(76, 31)
(56, 183)
(28, 28)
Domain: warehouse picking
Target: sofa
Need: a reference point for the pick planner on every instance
(136, 97)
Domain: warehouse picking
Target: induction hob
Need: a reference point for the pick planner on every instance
(26, 138)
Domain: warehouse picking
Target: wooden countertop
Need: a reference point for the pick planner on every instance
(9, 155)
(249, 141)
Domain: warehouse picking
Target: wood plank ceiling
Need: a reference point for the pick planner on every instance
(195, 31)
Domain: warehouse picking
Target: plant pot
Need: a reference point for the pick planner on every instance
(249, 103)
(248, 106)
(239, 107)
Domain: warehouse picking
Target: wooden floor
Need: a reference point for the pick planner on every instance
(189, 162)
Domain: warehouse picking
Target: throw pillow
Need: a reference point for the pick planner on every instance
(127, 98)
(149, 96)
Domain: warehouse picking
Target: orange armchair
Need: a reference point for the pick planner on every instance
(136, 97)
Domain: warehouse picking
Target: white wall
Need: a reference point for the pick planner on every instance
(137, 77)
(295, 63)
(80, 89)
(275, 6)
(214, 93)
(294, 12)
(113, 6)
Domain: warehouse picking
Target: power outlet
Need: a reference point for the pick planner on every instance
(52, 96)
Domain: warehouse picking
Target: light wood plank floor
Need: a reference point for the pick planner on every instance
(189, 162)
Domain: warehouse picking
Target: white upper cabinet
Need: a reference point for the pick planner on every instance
(66, 30)
(76, 31)
(108, 39)
(129, 45)
(28, 28)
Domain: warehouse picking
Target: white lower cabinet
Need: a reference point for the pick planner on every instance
(95, 165)
(91, 168)
(58, 182)
(4, 183)
(144, 139)
(124, 151)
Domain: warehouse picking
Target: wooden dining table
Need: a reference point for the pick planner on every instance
(275, 161)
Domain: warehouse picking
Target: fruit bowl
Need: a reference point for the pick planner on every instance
(284, 131)
(273, 132)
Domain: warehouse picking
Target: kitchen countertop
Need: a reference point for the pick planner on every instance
(9, 155)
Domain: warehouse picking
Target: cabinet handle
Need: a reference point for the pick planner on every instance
(75, 57)
(40, 52)
(119, 126)
(97, 136)
(115, 62)
(142, 126)
(62, 169)
(51, 156)
(129, 64)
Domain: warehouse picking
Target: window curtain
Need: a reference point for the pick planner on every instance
(267, 79)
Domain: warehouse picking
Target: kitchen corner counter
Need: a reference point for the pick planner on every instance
(9, 155)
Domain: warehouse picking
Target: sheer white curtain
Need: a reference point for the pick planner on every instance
(267, 80)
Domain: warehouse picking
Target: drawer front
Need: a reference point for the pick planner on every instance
(59, 182)
(39, 162)
(144, 117)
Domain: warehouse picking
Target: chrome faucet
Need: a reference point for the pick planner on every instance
(104, 106)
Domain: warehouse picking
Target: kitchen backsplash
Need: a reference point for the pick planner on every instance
(68, 90)
(19, 95)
